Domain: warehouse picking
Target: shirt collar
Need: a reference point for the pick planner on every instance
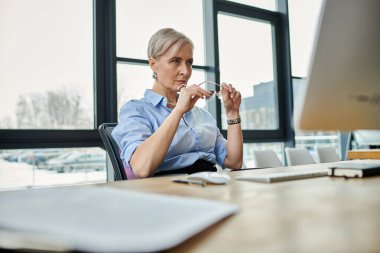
(154, 98)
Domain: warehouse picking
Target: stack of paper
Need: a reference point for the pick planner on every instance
(103, 219)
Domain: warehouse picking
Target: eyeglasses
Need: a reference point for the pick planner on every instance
(215, 93)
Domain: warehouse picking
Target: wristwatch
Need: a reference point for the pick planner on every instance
(234, 121)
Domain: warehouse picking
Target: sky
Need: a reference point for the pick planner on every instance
(37, 56)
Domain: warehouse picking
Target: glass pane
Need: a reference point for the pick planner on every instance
(46, 73)
(137, 21)
(312, 139)
(134, 79)
(246, 61)
(248, 149)
(263, 4)
(50, 167)
(303, 19)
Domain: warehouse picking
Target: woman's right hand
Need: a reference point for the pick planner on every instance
(189, 95)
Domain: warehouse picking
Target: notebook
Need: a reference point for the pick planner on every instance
(355, 170)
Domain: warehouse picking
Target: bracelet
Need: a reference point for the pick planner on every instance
(234, 121)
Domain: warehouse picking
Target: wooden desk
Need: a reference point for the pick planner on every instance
(363, 154)
(311, 215)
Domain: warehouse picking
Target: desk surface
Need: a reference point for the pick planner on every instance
(310, 215)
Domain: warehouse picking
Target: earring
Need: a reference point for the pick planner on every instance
(154, 75)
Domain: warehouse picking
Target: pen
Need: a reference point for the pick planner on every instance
(190, 181)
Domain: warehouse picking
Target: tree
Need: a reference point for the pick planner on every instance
(58, 109)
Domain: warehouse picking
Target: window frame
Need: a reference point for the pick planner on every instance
(281, 56)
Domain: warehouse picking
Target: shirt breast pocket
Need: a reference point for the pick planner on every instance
(184, 141)
(208, 136)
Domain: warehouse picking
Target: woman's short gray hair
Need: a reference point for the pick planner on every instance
(164, 39)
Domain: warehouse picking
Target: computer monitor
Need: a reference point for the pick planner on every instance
(342, 90)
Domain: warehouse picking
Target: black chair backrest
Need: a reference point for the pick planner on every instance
(112, 148)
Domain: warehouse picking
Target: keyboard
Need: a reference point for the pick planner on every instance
(284, 176)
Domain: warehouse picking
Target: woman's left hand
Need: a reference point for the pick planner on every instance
(231, 99)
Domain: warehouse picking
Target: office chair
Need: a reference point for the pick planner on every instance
(112, 149)
(327, 154)
(266, 159)
(298, 156)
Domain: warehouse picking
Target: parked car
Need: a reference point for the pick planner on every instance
(17, 156)
(40, 156)
(6, 156)
(56, 161)
(82, 161)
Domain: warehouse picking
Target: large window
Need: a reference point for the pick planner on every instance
(46, 72)
(47, 97)
(51, 96)
(302, 36)
(66, 66)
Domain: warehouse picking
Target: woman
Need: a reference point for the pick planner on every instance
(164, 132)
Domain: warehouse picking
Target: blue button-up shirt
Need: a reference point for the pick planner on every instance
(197, 136)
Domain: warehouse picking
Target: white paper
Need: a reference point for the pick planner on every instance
(104, 219)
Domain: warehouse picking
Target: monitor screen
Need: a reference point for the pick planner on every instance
(342, 90)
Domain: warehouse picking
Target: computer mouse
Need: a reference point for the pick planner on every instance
(210, 177)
